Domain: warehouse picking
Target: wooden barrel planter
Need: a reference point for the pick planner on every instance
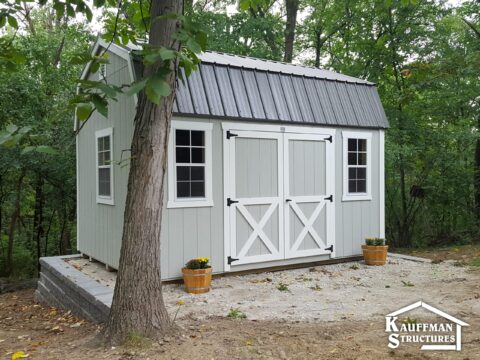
(197, 281)
(375, 255)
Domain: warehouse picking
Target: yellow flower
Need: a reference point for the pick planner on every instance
(180, 302)
(19, 355)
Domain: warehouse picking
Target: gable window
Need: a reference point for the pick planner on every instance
(189, 165)
(104, 171)
(356, 166)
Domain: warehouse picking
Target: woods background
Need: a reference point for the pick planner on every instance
(424, 57)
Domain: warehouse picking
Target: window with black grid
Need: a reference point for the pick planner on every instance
(190, 163)
(357, 166)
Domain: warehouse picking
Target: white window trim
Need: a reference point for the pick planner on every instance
(173, 202)
(107, 200)
(357, 196)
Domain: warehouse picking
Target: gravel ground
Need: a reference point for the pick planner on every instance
(344, 291)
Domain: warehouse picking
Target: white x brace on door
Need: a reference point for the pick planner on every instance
(278, 195)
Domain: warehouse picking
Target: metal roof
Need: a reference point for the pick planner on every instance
(249, 89)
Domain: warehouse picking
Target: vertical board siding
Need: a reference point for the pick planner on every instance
(192, 232)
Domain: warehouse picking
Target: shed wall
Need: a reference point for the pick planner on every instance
(192, 232)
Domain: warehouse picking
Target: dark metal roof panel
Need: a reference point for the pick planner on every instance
(227, 96)
(211, 90)
(279, 97)
(255, 101)
(231, 92)
(266, 96)
(240, 93)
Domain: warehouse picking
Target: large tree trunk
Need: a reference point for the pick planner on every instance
(476, 175)
(292, 10)
(138, 305)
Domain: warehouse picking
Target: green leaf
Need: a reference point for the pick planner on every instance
(193, 46)
(167, 54)
(12, 22)
(46, 150)
(136, 87)
(3, 21)
(100, 104)
(156, 88)
(83, 111)
(11, 128)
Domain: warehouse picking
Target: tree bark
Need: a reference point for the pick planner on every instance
(13, 224)
(138, 306)
(38, 217)
(292, 10)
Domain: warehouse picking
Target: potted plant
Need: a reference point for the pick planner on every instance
(375, 251)
(197, 276)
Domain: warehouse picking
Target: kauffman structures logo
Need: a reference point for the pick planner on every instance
(445, 334)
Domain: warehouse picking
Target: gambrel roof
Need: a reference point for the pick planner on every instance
(248, 89)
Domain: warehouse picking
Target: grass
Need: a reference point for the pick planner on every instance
(137, 341)
(282, 287)
(236, 313)
(474, 262)
(355, 267)
(407, 283)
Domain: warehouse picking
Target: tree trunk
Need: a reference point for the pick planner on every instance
(292, 10)
(13, 224)
(138, 305)
(38, 218)
(477, 177)
(318, 46)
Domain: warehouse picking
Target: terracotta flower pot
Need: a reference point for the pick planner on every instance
(197, 281)
(374, 254)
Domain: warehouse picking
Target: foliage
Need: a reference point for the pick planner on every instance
(198, 263)
(375, 241)
(282, 287)
(236, 313)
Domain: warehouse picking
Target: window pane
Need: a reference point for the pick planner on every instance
(352, 144)
(106, 143)
(362, 145)
(101, 161)
(198, 173)
(100, 143)
(352, 186)
(183, 189)
(362, 158)
(183, 155)
(104, 182)
(183, 173)
(361, 186)
(198, 155)
(198, 189)
(198, 138)
(352, 173)
(182, 137)
(352, 158)
(361, 173)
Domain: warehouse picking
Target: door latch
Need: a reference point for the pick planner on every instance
(330, 248)
(330, 198)
(330, 138)
(230, 201)
(230, 260)
(288, 200)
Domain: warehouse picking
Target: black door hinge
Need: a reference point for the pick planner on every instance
(330, 198)
(230, 201)
(230, 134)
(330, 248)
(330, 138)
(230, 260)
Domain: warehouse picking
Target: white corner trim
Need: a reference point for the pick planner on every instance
(172, 201)
(346, 196)
(381, 171)
(104, 199)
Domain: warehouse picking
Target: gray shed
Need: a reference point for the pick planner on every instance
(270, 164)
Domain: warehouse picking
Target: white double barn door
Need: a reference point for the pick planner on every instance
(279, 190)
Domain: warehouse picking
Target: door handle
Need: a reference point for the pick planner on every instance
(288, 200)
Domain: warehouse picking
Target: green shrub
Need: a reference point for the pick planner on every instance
(197, 263)
(375, 241)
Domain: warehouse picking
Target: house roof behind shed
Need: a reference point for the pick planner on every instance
(248, 89)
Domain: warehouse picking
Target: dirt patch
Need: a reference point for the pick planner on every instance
(467, 254)
(27, 327)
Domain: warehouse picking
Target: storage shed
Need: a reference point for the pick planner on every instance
(270, 164)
